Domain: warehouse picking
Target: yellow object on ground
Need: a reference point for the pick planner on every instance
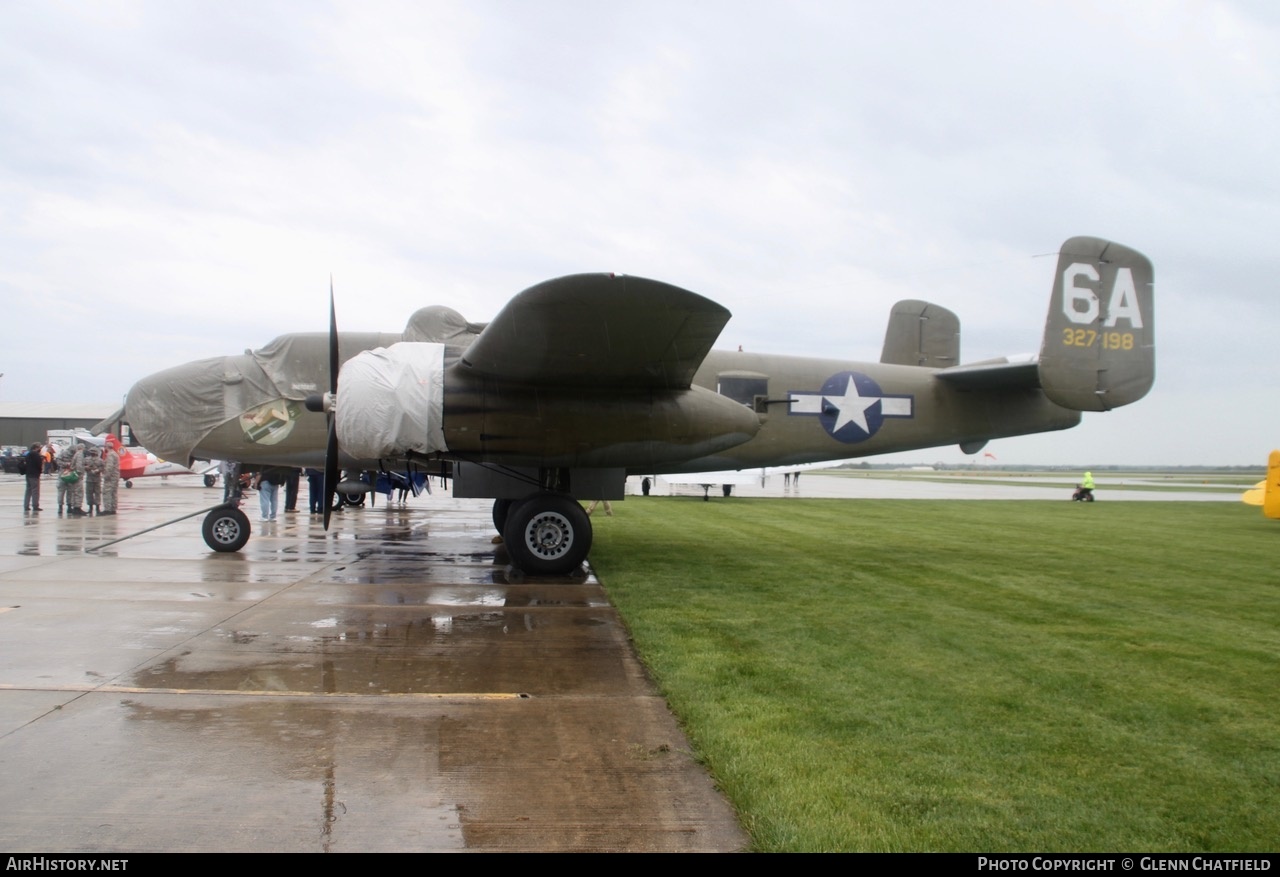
(1266, 492)
(1271, 491)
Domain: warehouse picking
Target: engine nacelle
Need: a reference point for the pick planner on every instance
(391, 400)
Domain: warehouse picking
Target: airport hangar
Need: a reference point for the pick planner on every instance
(24, 423)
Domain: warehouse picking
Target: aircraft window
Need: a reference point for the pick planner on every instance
(742, 389)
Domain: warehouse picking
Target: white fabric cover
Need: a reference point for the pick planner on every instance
(391, 400)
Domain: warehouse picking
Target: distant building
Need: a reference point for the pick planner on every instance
(24, 423)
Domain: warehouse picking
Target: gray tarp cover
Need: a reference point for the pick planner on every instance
(391, 400)
(174, 410)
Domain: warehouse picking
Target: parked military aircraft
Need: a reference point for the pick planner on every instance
(581, 380)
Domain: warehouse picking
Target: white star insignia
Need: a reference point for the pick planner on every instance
(852, 407)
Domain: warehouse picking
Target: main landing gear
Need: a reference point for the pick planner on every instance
(545, 534)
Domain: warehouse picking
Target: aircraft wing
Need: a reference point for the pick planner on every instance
(599, 330)
(994, 375)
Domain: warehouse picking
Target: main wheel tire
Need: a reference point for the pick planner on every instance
(226, 529)
(547, 534)
(501, 510)
(210, 480)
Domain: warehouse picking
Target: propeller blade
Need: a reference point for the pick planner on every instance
(333, 342)
(330, 471)
(331, 447)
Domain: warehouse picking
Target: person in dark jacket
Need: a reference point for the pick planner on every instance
(33, 467)
(291, 482)
(315, 490)
(268, 485)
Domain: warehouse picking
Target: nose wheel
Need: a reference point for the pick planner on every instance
(226, 529)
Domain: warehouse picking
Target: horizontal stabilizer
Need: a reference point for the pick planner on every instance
(997, 374)
(599, 330)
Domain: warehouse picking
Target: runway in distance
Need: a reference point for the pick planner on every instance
(582, 380)
(728, 479)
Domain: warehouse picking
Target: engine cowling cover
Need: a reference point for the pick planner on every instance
(391, 400)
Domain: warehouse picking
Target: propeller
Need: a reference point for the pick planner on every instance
(325, 403)
(331, 447)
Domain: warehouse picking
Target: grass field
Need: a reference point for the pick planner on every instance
(913, 675)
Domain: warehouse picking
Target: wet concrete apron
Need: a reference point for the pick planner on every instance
(387, 686)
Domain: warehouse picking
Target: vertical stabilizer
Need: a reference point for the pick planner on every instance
(921, 333)
(1099, 340)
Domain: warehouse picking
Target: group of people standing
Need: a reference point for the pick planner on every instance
(268, 483)
(88, 479)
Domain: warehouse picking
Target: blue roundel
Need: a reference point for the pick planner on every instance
(851, 408)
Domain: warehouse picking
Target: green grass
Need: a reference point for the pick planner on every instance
(908, 675)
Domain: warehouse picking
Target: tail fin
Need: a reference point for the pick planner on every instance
(921, 333)
(1099, 340)
(1271, 495)
(1266, 493)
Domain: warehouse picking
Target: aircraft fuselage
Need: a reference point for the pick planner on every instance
(745, 410)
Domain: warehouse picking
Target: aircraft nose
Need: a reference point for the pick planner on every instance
(171, 411)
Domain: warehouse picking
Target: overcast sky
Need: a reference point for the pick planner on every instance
(180, 179)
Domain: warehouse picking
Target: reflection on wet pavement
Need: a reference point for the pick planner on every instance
(391, 685)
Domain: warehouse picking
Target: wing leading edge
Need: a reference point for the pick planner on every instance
(599, 330)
